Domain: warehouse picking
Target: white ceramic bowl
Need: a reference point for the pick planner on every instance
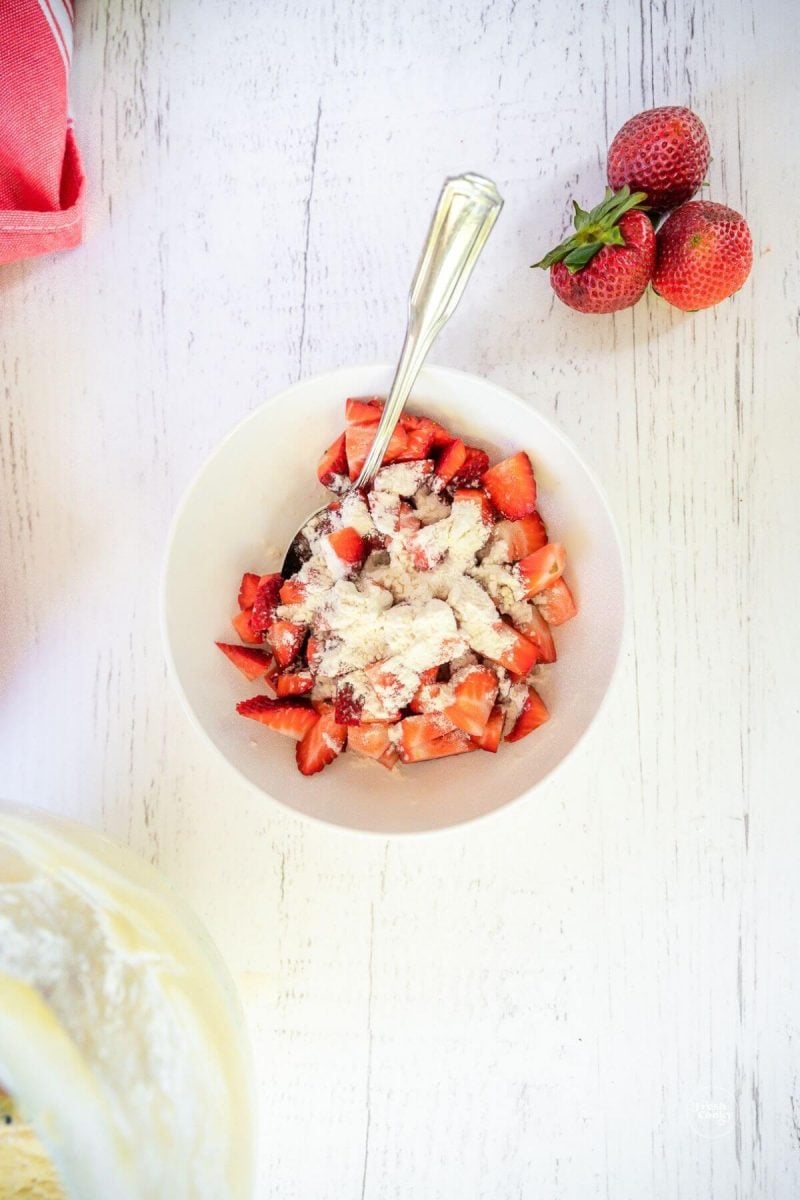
(244, 506)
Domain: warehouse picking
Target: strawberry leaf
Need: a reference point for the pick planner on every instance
(595, 229)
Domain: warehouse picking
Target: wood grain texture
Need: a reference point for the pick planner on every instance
(536, 1006)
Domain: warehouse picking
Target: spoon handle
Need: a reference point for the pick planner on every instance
(467, 210)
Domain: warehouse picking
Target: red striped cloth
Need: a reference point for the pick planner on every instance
(41, 181)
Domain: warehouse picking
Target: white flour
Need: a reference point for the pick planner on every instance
(422, 601)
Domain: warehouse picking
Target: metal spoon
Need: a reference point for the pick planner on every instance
(468, 207)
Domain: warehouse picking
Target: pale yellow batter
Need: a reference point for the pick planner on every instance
(26, 1172)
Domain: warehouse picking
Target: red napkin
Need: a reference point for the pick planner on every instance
(41, 181)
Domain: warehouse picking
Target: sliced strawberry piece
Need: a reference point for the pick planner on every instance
(273, 671)
(536, 630)
(313, 653)
(267, 599)
(556, 603)
(247, 589)
(479, 499)
(490, 738)
(333, 462)
(292, 592)
(534, 714)
(324, 742)
(521, 656)
(512, 487)
(294, 683)
(425, 693)
(363, 410)
(539, 570)
(286, 639)
(348, 706)
(381, 678)
(247, 659)
(358, 442)
(243, 624)
(372, 740)
(473, 468)
(475, 695)
(449, 463)
(427, 737)
(438, 434)
(390, 758)
(419, 439)
(517, 539)
(294, 718)
(348, 546)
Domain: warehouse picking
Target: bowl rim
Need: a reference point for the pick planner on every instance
(448, 373)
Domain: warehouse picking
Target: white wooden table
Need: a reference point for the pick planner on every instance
(595, 995)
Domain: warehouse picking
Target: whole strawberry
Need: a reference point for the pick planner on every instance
(607, 262)
(663, 152)
(704, 253)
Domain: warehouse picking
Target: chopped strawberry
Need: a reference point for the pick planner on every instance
(532, 716)
(250, 662)
(294, 683)
(520, 657)
(358, 442)
(313, 652)
(556, 603)
(348, 706)
(389, 758)
(426, 691)
(348, 546)
(292, 592)
(381, 678)
(474, 467)
(363, 410)
(477, 497)
(333, 462)
(286, 639)
(536, 630)
(273, 671)
(372, 740)
(407, 517)
(490, 738)
(449, 462)
(419, 438)
(294, 718)
(427, 736)
(247, 589)
(512, 487)
(243, 624)
(438, 434)
(539, 570)
(520, 538)
(266, 601)
(475, 695)
(323, 743)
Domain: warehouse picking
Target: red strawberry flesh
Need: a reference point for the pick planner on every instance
(511, 486)
(323, 743)
(293, 718)
(247, 659)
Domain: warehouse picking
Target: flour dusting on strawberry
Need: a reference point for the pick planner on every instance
(421, 618)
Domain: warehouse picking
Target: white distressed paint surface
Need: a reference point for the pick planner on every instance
(533, 1007)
